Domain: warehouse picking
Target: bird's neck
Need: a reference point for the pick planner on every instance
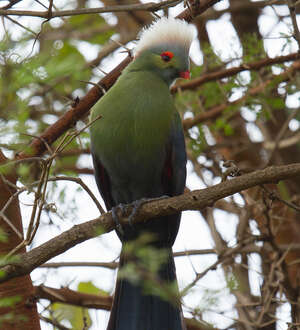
(142, 64)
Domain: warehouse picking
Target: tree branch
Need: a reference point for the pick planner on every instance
(194, 200)
(151, 6)
(113, 264)
(109, 265)
(292, 10)
(68, 296)
(83, 185)
(11, 3)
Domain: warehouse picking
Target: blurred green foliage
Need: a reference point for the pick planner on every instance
(78, 317)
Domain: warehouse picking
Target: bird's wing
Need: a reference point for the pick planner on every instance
(174, 171)
(103, 182)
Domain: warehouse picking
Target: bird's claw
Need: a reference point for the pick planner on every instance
(138, 203)
(116, 218)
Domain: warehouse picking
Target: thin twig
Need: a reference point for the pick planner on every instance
(10, 224)
(273, 195)
(83, 185)
(21, 25)
(56, 324)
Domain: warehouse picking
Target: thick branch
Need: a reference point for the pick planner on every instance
(194, 200)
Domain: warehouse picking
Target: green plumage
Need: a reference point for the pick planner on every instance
(130, 137)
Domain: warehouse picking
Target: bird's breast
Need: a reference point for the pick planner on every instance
(131, 137)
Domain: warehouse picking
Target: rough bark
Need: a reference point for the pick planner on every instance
(24, 313)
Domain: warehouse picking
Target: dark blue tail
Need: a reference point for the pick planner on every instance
(134, 310)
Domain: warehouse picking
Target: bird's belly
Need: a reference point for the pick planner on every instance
(135, 175)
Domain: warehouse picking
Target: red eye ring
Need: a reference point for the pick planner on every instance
(166, 56)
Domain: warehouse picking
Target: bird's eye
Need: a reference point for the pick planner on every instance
(166, 56)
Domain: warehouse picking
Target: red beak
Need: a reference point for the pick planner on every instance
(185, 75)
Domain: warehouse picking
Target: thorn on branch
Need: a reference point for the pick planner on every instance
(102, 71)
(155, 15)
(126, 49)
(101, 88)
(31, 301)
(75, 102)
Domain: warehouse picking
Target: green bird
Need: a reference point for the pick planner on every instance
(138, 152)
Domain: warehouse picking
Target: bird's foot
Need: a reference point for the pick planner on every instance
(115, 217)
(138, 203)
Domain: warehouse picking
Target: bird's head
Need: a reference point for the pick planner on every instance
(164, 49)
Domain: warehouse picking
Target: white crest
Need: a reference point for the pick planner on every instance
(166, 30)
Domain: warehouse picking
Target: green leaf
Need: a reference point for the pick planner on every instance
(253, 47)
(6, 169)
(23, 170)
(100, 230)
(3, 235)
(4, 260)
(88, 287)
(232, 282)
(276, 102)
(78, 317)
(228, 130)
(9, 301)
